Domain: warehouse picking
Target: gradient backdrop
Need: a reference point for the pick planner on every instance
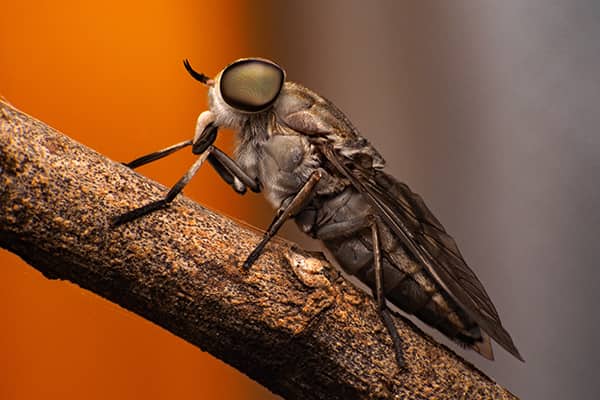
(489, 109)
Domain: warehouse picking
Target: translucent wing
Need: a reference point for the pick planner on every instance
(404, 212)
(424, 237)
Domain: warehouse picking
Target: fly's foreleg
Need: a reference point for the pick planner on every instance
(291, 209)
(379, 294)
(157, 155)
(205, 135)
(230, 172)
(202, 144)
(162, 203)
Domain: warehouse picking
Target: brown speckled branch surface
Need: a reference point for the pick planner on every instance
(292, 322)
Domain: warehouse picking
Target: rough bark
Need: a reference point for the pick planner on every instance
(292, 322)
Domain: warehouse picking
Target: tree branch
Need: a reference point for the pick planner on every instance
(292, 322)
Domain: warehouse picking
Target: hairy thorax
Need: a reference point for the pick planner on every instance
(282, 163)
(269, 150)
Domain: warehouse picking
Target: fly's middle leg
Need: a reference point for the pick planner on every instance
(283, 214)
(379, 294)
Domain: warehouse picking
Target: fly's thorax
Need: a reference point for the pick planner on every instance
(285, 164)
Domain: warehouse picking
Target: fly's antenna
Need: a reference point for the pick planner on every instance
(195, 74)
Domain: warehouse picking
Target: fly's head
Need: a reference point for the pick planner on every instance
(246, 87)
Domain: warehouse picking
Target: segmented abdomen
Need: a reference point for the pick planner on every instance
(342, 223)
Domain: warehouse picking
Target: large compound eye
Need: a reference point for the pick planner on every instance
(251, 85)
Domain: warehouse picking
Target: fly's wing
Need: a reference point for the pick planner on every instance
(306, 113)
(405, 213)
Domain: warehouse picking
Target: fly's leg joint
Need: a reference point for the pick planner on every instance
(204, 119)
(205, 133)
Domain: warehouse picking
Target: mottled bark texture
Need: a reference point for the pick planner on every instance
(292, 322)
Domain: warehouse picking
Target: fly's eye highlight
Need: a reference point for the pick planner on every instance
(251, 85)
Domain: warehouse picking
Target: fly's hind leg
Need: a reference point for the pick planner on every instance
(384, 312)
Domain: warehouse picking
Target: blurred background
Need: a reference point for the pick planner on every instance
(488, 109)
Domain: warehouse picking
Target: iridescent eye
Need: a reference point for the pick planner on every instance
(251, 85)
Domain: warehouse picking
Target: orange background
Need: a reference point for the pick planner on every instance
(489, 110)
(110, 75)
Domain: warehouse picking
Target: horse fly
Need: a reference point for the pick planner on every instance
(313, 165)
